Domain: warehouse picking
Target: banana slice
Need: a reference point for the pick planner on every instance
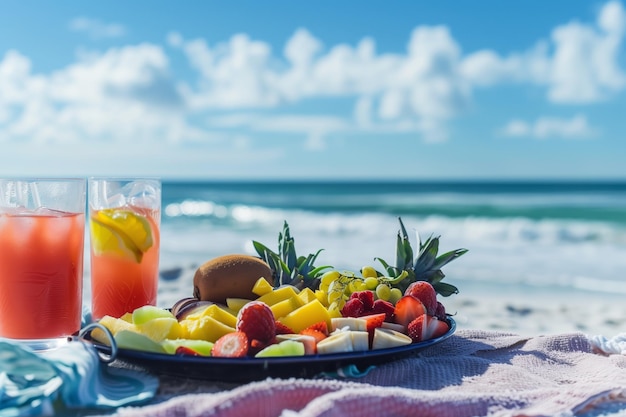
(387, 338)
(336, 343)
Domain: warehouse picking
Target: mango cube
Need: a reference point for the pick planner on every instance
(204, 328)
(217, 313)
(114, 325)
(305, 316)
(161, 328)
(282, 308)
(261, 287)
(278, 295)
(307, 295)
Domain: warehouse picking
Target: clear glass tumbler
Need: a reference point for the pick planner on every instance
(42, 229)
(124, 223)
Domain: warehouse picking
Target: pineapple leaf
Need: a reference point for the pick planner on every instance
(427, 255)
(448, 257)
(445, 289)
(287, 266)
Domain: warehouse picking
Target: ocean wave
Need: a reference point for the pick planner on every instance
(537, 253)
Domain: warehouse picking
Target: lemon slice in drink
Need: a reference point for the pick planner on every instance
(121, 232)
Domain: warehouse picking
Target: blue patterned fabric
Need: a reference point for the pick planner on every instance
(70, 376)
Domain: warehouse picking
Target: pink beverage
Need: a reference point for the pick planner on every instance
(124, 226)
(120, 282)
(41, 273)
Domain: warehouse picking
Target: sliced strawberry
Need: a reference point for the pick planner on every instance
(353, 308)
(424, 292)
(426, 327)
(318, 335)
(382, 306)
(184, 350)
(407, 309)
(373, 321)
(281, 328)
(366, 297)
(257, 345)
(321, 326)
(257, 321)
(231, 345)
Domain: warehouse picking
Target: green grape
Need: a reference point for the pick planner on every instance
(370, 283)
(383, 292)
(369, 272)
(394, 295)
(360, 285)
(334, 296)
(352, 287)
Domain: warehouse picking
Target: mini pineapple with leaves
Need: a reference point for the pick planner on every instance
(287, 267)
(426, 266)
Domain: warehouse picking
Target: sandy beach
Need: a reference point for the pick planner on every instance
(504, 308)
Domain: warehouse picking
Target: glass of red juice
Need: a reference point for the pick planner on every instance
(42, 229)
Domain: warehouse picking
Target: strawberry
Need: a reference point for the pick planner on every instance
(256, 346)
(257, 321)
(316, 334)
(382, 306)
(353, 308)
(407, 309)
(231, 345)
(366, 297)
(372, 321)
(426, 327)
(281, 328)
(424, 292)
(321, 326)
(184, 350)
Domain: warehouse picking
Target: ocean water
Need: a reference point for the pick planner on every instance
(528, 236)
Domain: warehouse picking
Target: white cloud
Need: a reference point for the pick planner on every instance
(97, 29)
(578, 64)
(129, 93)
(576, 127)
(122, 94)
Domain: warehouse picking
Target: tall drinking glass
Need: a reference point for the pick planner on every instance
(42, 229)
(124, 223)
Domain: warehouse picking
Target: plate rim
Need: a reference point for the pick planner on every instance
(144, 356)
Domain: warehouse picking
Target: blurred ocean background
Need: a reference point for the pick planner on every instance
(523, 237)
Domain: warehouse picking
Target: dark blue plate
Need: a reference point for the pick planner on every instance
(252, 369)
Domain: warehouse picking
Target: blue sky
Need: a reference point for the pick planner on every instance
(325, 89)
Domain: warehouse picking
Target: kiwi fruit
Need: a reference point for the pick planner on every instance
(229, 276)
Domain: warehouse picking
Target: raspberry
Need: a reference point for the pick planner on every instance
(353, 308)
(366, 297)
(257, 321)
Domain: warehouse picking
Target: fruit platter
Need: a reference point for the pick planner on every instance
(279, 315)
